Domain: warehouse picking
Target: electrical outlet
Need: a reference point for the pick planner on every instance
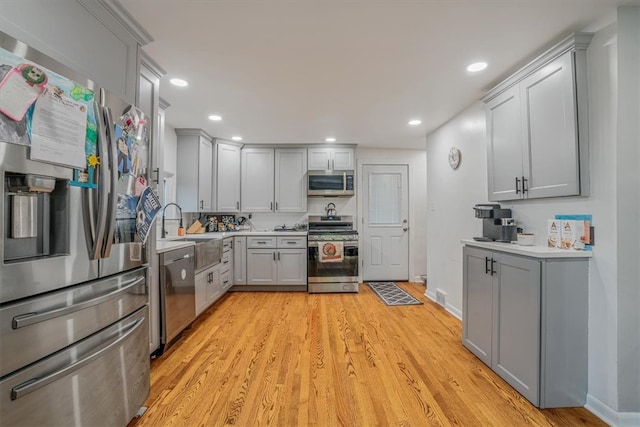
(441, 297)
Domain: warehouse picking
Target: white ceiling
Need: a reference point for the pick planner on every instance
(299, 71)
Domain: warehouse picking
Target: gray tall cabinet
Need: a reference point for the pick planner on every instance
(70, 30)
(525, 316)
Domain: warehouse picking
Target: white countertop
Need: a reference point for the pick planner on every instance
(176, 242)
(164, 245)
(532, 251)
(224, 234)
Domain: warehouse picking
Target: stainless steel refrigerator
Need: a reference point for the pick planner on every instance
(74, 332)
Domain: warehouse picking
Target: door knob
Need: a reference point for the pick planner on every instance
(405, 228)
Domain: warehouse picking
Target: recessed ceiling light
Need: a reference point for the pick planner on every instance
(236, 138)
(215, 118)
(179, 82)
(330, 139)
(477, 66)
(415, 122)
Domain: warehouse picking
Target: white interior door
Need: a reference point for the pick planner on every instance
(385, 222)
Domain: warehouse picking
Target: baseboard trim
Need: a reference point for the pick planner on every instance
(454, 311)
(610, 415)
(451, 309)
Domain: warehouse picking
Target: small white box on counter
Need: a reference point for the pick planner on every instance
(571, 235)
(554, 233)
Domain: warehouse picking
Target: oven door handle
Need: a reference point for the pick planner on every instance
(346, 244)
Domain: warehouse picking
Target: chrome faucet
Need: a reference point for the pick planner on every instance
(164, 231)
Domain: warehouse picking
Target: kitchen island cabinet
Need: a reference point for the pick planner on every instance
(526, 318)
(537, 130)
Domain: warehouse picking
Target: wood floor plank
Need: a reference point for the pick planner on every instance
(297, 359)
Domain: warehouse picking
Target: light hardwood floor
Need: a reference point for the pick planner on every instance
(294, 359)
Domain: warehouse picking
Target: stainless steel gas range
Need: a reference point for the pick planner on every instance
(332, 263)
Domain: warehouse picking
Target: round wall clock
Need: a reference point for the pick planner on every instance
(454, 158)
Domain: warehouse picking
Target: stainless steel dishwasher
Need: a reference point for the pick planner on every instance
(177, 293)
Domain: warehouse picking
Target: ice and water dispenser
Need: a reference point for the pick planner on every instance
(35, 216)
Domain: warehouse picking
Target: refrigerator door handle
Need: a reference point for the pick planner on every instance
(27, 319)
(113, 167)
(96, 200)
(36, 383)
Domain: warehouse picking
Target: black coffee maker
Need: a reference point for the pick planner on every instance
(497, 224)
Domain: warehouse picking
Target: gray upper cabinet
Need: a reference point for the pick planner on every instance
(331, 158)
(504, 152)
(103, 44)
(291, 180)
(257, 179)
(149, 102)
(526, 318)
(537, 132)
(274, 180)
(228, 177)
(194, 191)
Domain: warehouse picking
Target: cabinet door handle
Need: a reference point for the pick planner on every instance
(328, 164)
(278, 255)
(493, 261)
(271, 206)
(201, 204)
(274, 256)
(517, 185)
(276, 205)
(157, 172)
(238, 205)
(524, 185)
(486, 265)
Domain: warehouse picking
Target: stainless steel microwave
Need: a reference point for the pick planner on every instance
(331, 183)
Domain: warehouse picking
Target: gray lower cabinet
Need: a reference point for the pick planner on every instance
(240, 260)
(526, 318)
(226, 266)
(208, 288)
(276, 260)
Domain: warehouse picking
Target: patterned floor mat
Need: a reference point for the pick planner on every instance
(392, 294)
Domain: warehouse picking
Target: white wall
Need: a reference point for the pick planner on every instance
(416, 161)
(452, 195)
